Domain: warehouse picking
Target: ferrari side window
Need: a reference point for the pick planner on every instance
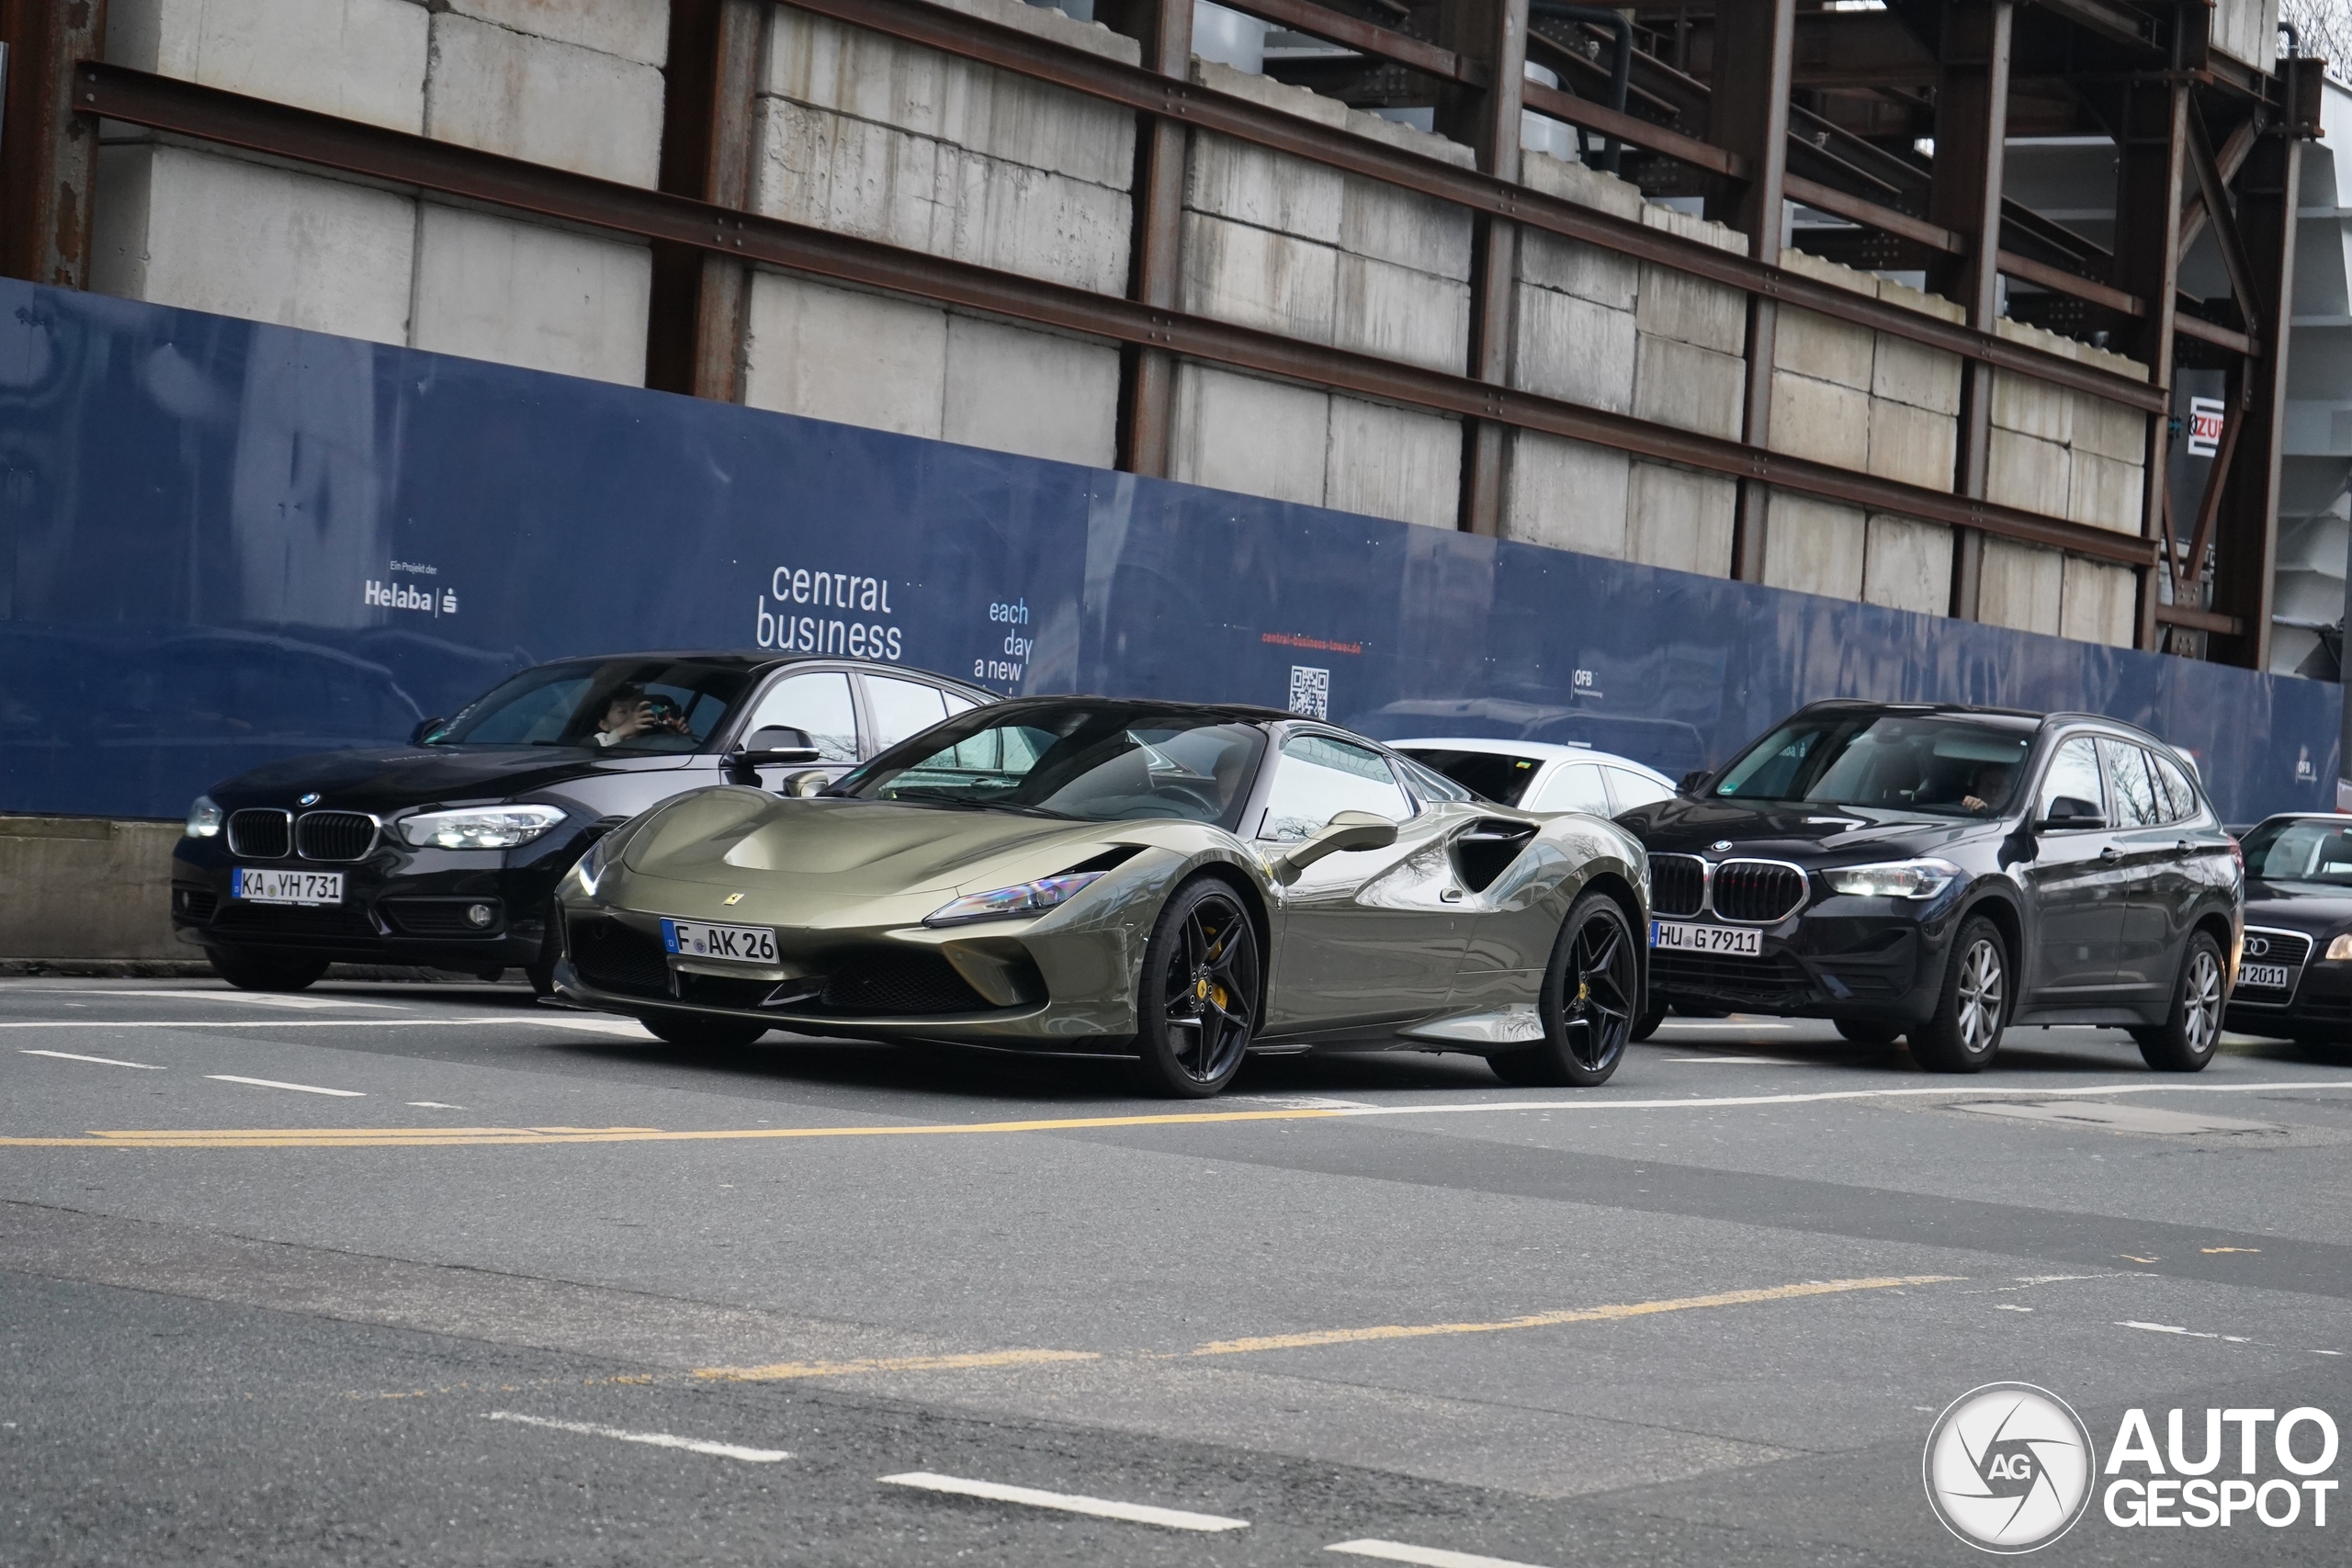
(818, 703)
(1317, 778)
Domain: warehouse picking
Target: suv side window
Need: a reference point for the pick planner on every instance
(1630, 789)
(2073, 772)
(818, 703)
(2128, 786)
(1317, 778)
(1576, 788)
(2177, 788)
(901, 708)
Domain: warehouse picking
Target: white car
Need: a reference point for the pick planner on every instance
(1535, 775)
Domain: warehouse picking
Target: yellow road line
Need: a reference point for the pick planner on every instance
(984, 1359)
(1575, 1314)
(405, 1137)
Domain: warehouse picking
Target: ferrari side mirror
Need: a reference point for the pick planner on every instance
(1347, 831)
(801, 786)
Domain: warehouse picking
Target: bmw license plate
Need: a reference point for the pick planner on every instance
(1673, 937)
(2264, 977)
(286, 886)
(690, 938)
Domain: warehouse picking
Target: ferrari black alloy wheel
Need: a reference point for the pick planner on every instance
(1197, 1006)
(1591, 995)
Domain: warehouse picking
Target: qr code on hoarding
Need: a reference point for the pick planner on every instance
(1310, 692)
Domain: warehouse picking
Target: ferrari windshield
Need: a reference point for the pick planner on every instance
(1088, 762)
(2302, 850)
(614, 705)
(1944, 765)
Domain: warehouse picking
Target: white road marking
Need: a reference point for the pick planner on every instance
(102, 1061)
(1716, 1024)
(434, 1105)
(2185, 1333)
(627, 1026)
(651, 1440)
(297, 1088)
(1068, 1503)
(242, 1023)
(256, 998)
(1427, 1556)
(1695, 1102)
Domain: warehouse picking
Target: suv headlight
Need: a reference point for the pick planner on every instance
(1004, 903)
(1894, 879)
(478, 827)
(203, 818)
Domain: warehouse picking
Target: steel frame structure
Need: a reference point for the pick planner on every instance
(1746, 149)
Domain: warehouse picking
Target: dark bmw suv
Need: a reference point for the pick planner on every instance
(1940, 873)
(444, 853)
(2295, 978)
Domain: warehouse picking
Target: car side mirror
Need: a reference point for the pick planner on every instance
(1347, 831)
(1690, 780)
(2072, 812)
(801, 786)
(775, 743)
(424, 727)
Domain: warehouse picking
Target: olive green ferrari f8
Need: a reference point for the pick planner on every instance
(1183, 883)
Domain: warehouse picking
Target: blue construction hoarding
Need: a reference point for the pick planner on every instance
(222, 542)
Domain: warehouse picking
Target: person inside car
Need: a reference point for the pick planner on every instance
(630, 713)
(1989, 790)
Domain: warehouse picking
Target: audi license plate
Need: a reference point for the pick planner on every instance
(1673, 937)
(2264, 977)
(689, 939)
(286, 886)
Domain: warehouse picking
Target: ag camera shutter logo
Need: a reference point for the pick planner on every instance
(2008, 1468)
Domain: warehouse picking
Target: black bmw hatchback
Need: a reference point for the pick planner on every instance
(2295, 979)
(445, 851)
(1937, 873)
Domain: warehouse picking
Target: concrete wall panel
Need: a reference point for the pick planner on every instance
(1248, 183)
(360, 60)
(1820, 420)
(1815, 547)
(1823, 348)
(2029, 473)
(192, 229)
(1567, 347)
(1393, 462)
(1013, 390)
(543, 101)
(1907, 565)
(1391, 225)
(2104, 492)
(545, 299)
(1691, 310)
(2097, 601)
(1398, 313)
(1916, 445)
(1259, 437)
(1907, 372)
(1258, 278)
(633, 29)
(2021, 586)
(2111, 430)
(1680, 519)
(1568, 494)
(1678, 384)
(840, 354)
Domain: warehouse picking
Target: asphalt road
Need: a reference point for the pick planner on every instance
(380, 1274)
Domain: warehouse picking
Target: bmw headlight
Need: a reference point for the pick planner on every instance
(478, 827)
(1894, 879)
(2340, 949)
(1003, 903)
(203, 818)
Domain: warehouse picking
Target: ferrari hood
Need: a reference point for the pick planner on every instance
(743, 837)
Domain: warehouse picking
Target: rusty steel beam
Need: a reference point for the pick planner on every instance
(49, 155)
(695, 316)
(2229, 158)
(936, 27)
(1748, 117)
(1873, 215)
(1493, 33)
(396, 157)
(2152, 146)
(1155, 262)
(2213, 186)
(1631, 130)
(2198, 620)
(2220, 336)
(1370, 37)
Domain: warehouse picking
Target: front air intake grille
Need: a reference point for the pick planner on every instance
(262, 833)
(898, 984)
(2264, 945)
(334, 835)
(196, 904)
(442, 917)
(293, 922)
(614, 957)
(1677, 885)
(1774, 979)
(1757, 892)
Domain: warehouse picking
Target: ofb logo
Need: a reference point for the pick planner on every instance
(2008, 1467)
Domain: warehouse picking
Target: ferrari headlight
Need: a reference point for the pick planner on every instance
(478, 827)
(1024, 898)
(203, 818)
(1894, 879)
(2340, 949)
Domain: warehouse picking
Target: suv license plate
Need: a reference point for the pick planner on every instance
(1675, 938)
(286, 886)
(2264, 977)
(690, 938)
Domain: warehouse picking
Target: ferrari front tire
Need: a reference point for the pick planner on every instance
(1196, 1008)
(1590, 991)
(700, 1032)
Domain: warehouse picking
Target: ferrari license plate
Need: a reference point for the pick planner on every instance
(2264, 977)
(1673, 937)
(286, 886)
(690, 938)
